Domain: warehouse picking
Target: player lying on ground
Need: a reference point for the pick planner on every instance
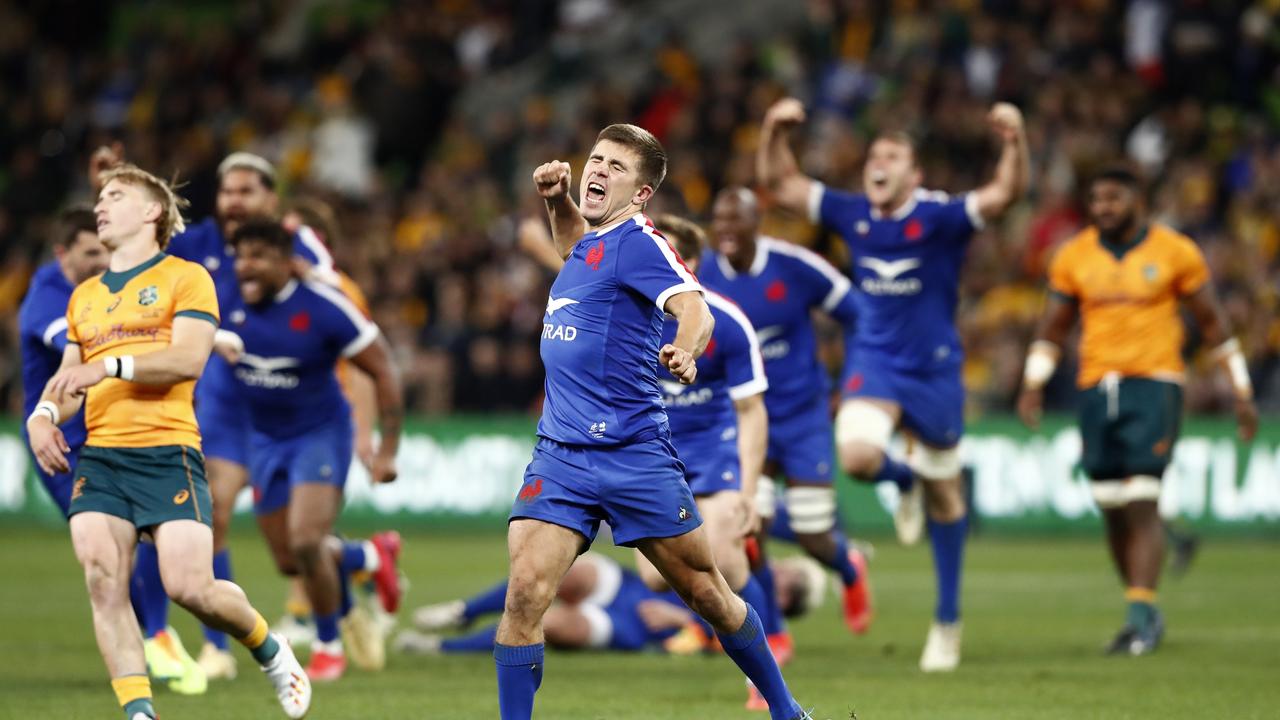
(42, 324)
(246, 188)
(1124, 279)
(604, 451)
(779, 285)
(138, 337)
(600, 605)
(300, 442)
(902, 369)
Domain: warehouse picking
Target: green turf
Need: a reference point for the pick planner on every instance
(1037, 613)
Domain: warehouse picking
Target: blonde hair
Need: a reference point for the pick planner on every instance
(170, 222)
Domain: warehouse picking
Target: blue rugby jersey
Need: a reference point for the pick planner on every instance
(731, 369)
(777, 293)
(42, 327)
(907, 269)
(601, 333)
(291, 344)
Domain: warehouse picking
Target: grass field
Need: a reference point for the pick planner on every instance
(1037, 613)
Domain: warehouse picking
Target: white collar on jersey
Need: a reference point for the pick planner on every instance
(902, 212)
(607, 228)
(757, 263)
(287, 291)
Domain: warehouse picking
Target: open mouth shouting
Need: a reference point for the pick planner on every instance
(595, 195)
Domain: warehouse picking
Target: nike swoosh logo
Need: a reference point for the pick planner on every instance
(554, 304)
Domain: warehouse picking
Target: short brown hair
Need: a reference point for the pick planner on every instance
(170, 222)
(653, 159)
(73, 221)
(686, 236)
(901, 137)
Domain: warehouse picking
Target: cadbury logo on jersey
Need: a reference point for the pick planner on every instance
(886, 280)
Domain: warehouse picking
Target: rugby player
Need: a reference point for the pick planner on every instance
(138, 337)
(1125, 279)
(292, 334)
(903, 366)
(604, 451)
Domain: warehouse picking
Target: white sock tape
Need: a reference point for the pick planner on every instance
(812, 509)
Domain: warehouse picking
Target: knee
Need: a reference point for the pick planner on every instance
(527, 598)
(105, 580)
(306, 552)
(860, 460)
(812, 510)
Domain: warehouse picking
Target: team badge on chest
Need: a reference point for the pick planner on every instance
(148, 295)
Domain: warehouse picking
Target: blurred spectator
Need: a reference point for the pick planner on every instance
(358, 104)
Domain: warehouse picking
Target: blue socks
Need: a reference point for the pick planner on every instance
(840, 563)
(354, 556)
(326, 627)
(947, 540)
(770, 613)
(519, 675)
(149, 596)
(895, 472)
(489, 602)
(753, 594)
(478, 641)
(749, 650)
(221, 571)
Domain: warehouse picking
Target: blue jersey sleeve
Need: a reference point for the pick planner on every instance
(647, 265)
(308, 246)
(349, 330)
(736, 338)
(45, 317)
(957, 216)
(827, 286)
(834, 209)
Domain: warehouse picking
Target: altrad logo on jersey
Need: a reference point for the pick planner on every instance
(887, 281)
(555, 331)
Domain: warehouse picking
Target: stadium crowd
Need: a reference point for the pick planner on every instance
(356, 103)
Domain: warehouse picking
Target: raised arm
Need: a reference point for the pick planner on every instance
(693, 332)
(533, 238)
(776, 167)
(375, 361)
(567, 224)
(1042, 358)
(1226, 353)
(1013, 170)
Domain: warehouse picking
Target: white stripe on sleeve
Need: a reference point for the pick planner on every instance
(688, 283)
(840, 284)
(816, 191)
(759, 382)
(50, 332)
(368, 331)
(971, 209)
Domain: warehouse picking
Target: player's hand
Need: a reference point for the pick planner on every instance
(1246, 419)
(1031, 407)
(48, 445)
(746, 515)
(785, 113)
(383, 469)
(679, 362)
(228, 345)
(75, 380)
(103, 159)
(552, 179)
(1006, 120)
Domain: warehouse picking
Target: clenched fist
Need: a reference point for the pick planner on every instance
(785, 113)
(679, 362)
(552, 179)
(1006, 120)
